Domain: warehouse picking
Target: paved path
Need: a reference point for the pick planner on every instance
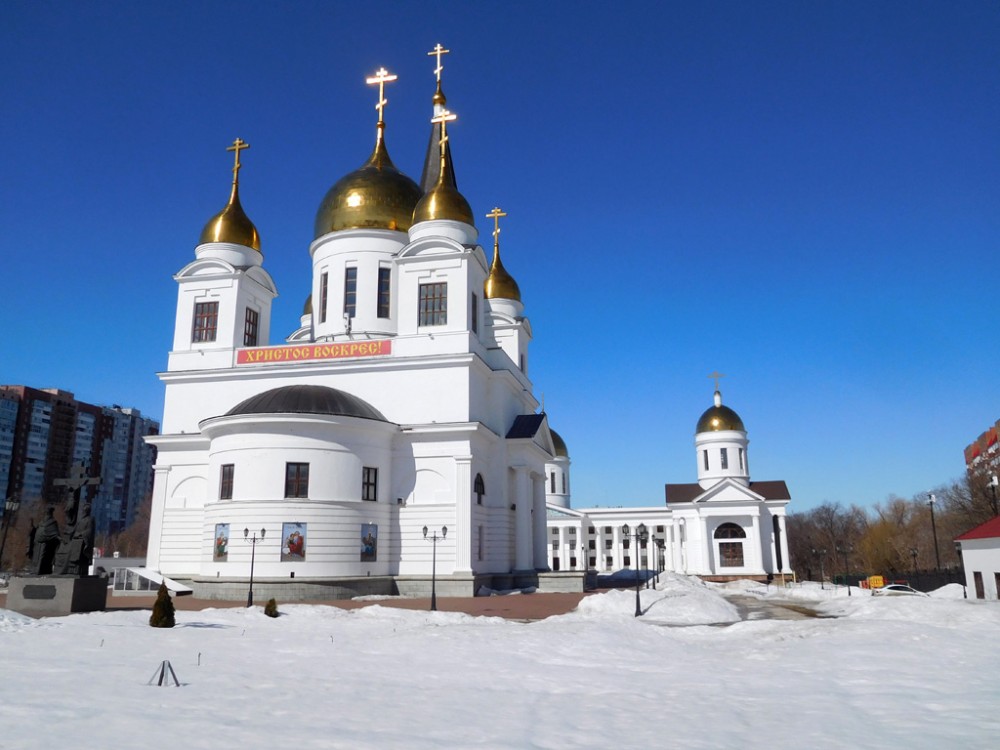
(752, 608)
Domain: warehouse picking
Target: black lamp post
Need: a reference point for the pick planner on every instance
(253, 553)
(847, 574)
(937, 557)
(434, 542)
(640, 535)
(913, 554)
(10, 506)
(660, 545)
(821, 553)
(993, 487)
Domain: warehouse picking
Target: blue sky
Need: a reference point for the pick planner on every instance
(803, 196)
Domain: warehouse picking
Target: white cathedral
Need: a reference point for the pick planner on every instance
(395, 433)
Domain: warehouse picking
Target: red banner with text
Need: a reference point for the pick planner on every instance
(265, 355)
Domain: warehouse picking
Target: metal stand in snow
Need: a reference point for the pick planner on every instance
(161, 675)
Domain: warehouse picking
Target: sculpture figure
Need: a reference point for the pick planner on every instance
(46, 542)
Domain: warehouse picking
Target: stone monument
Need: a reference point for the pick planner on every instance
(61, 583)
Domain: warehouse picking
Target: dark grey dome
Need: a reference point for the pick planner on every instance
(307, 399)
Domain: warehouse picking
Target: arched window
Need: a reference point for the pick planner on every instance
(730, 553)
(730, 531)
(479, 488)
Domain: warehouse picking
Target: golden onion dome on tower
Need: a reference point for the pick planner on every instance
(443, 201)
(499, 284)
(718, 418)
(307, 308)
(232, 224)
(559, 444)
(376, 196)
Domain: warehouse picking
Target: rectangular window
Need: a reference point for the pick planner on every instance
(552, 483)
(384, 287)
(724, 454)
(704, 455)
(350, 291)
(977, 579)
(296, 480)
(592, 544)
(369, 483)
(433, 304)
(742, 466)
(564, 483)
(206, 321)
(250, 327)
(226, 482)
(324, 291)
(731, 554)
(475, 313)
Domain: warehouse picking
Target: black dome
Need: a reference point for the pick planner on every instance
(307, 399)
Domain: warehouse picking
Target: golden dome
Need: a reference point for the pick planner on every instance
(231, 224)
(718, 418)
(307, 308)
(500, 284)
(376, 196)
(558, 443)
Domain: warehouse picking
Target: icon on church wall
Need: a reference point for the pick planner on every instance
(369, 542)
(220, 548)
(293, 542)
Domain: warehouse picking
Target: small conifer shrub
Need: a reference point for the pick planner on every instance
(271, 608)
(163, 609)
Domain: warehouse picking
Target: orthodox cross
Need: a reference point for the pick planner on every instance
(443, 119)
(437, 52)
(77, 479)
(238, 145)
(381, 77)
(495, 214)
(716, 375)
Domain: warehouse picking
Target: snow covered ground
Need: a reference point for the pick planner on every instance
(903, 672)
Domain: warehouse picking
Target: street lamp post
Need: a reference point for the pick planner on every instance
(640, 535)
(913, 554)
(434, 545)
(937, 557)
(844, 549)
(821, 553)
(10, 506)
(993, 487)
(661, 561)
(253, 553)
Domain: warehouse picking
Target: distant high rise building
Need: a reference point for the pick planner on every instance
(43, 432)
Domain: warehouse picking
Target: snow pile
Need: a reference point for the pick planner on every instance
(676, 600)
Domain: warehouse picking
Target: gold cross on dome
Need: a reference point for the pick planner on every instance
(437, 52)
(715, 376)
(496, 215)
(238, 145)
(381, 77)
(443, 119)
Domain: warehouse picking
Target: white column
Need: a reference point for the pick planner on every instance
(706, 546)
(563, 557)
(758, 549)
(159, 502)
(678, 545)
(617, 554)
(463, 514)
(538, 518)
(785, 567)
(523, 547)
